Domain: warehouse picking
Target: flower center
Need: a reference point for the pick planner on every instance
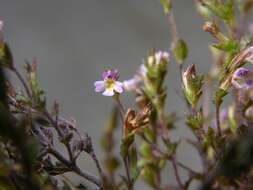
(109, 83)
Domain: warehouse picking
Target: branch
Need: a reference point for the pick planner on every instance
(75, 168)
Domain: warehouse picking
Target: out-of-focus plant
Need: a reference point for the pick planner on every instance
(223, 133)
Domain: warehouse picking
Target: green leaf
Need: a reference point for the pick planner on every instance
(148, 175)
(6, 58)
(228, 46)
(135, 174)
(195, 122)
(145, 150)
(133, 158)
(166, 6)
(218, 98)
(209, 137)
(180, 51)
(126, 142)
(223, 11)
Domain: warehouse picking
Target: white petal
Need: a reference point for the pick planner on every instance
(142, 70)
(132, 84)
(99, 86)
(118, 87)
(1, 25)
(108, 92)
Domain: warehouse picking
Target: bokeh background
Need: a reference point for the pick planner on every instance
(74, 41)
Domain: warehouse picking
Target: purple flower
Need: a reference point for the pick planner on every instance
(241, 72)
(109, 84)
(240, 79)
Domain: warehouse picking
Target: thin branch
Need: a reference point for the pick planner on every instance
(173, 27)
(95, 159)
(22, 80)
(174, 164)
(218, 119)
(75, 168)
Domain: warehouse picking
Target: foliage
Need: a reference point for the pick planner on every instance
(223, 134)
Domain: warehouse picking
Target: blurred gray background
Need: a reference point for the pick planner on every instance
(74, 41)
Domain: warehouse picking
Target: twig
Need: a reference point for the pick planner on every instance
(125, 161)
(22, 80)
(74, 168)
(95, 159)
(174, 164)
(218, 119)
(121, 108)
(173, 26)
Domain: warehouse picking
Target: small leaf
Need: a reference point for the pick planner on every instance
(220, 93)
(126, 142)
(166, 6)
(148, 176)
(228, 46)
(6, 58)
(180, 50)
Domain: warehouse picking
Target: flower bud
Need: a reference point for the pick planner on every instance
(211, 27)
(188, 75)
(192, 84)
(203, 11)
(214, 30)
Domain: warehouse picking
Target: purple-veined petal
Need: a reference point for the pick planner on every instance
(248, 84)
(110, 74)
(118, 87)
(99, 86)
(241, 72)
(108, 92)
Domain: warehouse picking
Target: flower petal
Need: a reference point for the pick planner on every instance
(1, 25)
(241, 72)
(108, 92)
(132, 84)
(118, 87)
(99, 86)
(142, 70)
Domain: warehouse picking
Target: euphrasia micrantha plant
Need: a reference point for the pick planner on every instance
(223, 130)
